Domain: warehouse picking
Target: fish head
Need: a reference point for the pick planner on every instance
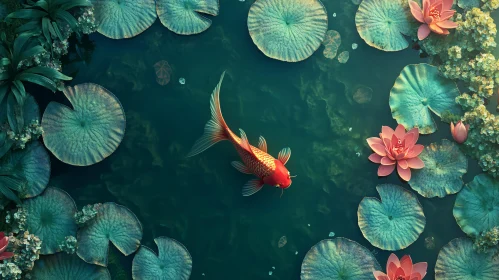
(281, 178)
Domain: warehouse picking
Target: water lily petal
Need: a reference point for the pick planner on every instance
(392, 264)
(423, 31)
(416, 11)
(374, 140)
(415, 151)
(435, 28)
(399, 272)
(400, 131)
(406, 264)
(400, 156)
(402, 164)
(380, 275)
(415, 163)
(385, 170)
(387, 132)
(379, 149)
(420, 268)
(447, 5)
(375, 158)
(6, 255)
(447, 24)
(387, 161)
(387, 143)
(409, 140)
(405, 174)
(447, 15)
(426, 8)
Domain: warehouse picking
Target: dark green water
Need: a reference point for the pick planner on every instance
(306, 106)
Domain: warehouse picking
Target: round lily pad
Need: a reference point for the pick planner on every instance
(173, 261)
(418, 90)
(90, 132)
(459, 261)
(184, 16)
(477, 206)
(383, 23)
(445, 166)
(113, 223)
(468, 4)
(118, 19)
(393, 223)
(32, 164)
(362, 94)
(344, 57)
(338, 258)
(50, 216)
(62, 266)
(287, 30)
(331, 43)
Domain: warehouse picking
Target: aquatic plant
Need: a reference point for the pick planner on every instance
(163, 72)
(396, 148)
(487, 240)
(445, 165)
(434, 16)
(50, 217)
(394, 222)
(382, 24)
(458, 261)
(64, 266)
(10, 271)
(113, 223)
(124, 19)
(16, 219)
(4, 242)
(338, 258)
(87, 213)
(477, 208)
(459, 131)
(331, 43)
(172, 262)
(402, 269)
(287, 30)
(183, 16)
(89, 132)
(26, 248)
(69, 245)
(362, 94)
(344, 56)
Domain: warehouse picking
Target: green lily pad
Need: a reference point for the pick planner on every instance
(173, 261)
(90, 132)
(32, 164)
(62, 266)
(184, 16)
(459, 261)
(383, 23)
(113, 223)
(331, 43)
(468, 4)
(442, 175)
(477, 205)
(393, 223)
(287, 30)
(344, 57)
(118, 19)
(418, 90)
(338, 258)
(50, 216)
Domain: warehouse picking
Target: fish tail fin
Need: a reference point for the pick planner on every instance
(215, 129)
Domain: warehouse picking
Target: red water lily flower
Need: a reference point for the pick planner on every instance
(402, 269)
(459, 131)
(396, 148)
(4, 242)
(434, 16)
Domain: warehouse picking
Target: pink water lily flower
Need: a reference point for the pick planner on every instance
(434, 16)
(4, 242)
(402, 269)
(396, 148)
(459, 131)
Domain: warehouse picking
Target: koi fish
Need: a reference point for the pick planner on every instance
(255, 160)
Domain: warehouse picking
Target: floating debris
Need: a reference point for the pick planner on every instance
(203, 274)
(331, 43)
(282, 241)
(354, 46)
(343, 57)
(358, 154)
(163, 72)
(270, 272)
(181, 81)
(296, 253)
(334, 14)
(331, 234)
(349, 129)
(308, 224)
(429, 242)
(362, 94)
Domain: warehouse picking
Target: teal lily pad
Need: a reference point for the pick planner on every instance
(383, 23)
(62, 266)
(331, 43)
(90, 132)
(418, 90)
(50, 216)
(468, 4)
(287, 30)
(32, 165)
(477, 206)
(445, 166)
(184, 16)
(113, 223)
(393, 223)
(338, 258)
(119, 19)
(459, 261)
(172, 262)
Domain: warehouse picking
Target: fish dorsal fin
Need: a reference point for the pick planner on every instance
(252, 187)
(240, 167)
(244, 141)
(284, 155)
(262, 144)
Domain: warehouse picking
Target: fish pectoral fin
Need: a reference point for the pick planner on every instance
(240, 167)
(262, 144)
(244, 142)
(284, 155)
(252, 187)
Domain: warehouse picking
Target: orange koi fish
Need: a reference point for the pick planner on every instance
(256, 161)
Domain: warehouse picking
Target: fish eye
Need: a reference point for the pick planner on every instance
(289, 173)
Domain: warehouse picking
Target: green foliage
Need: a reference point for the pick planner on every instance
(87, 213)
(17, 219)
(26, 248)
(69, 245)
(487, 240)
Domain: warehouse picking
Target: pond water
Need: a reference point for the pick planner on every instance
(307, 106)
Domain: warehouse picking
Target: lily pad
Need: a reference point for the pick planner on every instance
(393, 223)
(418, 90)
(118, 19)
(442, 175)
(338, 258)
(32, 164)
(50, 216)
(62, 266)
(183, 16)
(287, 30)
(344, 57)
(113, 223)
(90, 132)
(331, 43)
(477, 205)
(362, 94)
(383, 23)
(468, 4)
(459, 261)
(173, 261)
(163, 72)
